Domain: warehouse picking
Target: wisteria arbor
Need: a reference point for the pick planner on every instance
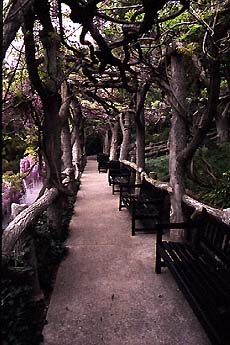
(124, 46)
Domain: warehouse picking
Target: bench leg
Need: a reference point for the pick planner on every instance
(158, 262)
(133, 226)
(120, 206)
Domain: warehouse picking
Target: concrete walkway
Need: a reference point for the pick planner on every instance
(106, 291)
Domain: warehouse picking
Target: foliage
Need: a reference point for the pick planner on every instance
(22, 318)
(155, 137)
(12, 190)
(18, 319)
(158, 165)
(19, 108)
(13, 149)
(217, 157)
(215, 193)
(220, 195)
(14, 185)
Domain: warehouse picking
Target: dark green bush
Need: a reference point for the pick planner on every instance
(158, 165)
(214, 192)
(18, 321)
(22, 318)
(220, 195)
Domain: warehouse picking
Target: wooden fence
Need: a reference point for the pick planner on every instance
(190, 203)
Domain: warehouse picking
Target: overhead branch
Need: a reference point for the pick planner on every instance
(13, 22)
(142, 97)
(107, 106)
(66, 100)
(203, 127)
(13, 74)
(112, 19)
(151, 9)
(30, 54)
(172, 16)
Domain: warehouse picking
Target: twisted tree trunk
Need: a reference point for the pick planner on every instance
(64, 115)
(140, 124)
(78, 135)
(125, 124)
(223, 125)
(106, 146)
(49, 94)
(114, 141)
(66, 146)
(178, 140)
(23, 221)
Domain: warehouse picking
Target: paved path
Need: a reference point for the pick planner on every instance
(106, 292)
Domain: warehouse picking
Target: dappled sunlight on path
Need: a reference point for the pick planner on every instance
(106, 290)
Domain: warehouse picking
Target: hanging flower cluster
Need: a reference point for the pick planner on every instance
(14, 186)
(12, 191)
(29, 168)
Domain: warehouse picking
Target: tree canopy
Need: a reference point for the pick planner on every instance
(113, 67)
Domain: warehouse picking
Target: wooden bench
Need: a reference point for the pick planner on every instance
(118, 174)
(145, 203)
(103, 162)
(201, 267)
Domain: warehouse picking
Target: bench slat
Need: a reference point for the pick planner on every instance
(145, 204)
(209, 276)
(201, 268)
(215, 322)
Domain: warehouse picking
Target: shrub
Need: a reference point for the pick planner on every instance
(220, 195)
(158, 165)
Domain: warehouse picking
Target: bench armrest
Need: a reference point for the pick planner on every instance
(124, 187)
(162, 226)
(148, 202)
(134, 185)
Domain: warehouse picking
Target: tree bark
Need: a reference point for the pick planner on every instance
(52, 138)
(114, 140)
(178, 140)
(106, 147)
(140, 125)
(211, 110)
(125, 125)
(223, 125)
(23, 220)
(49, 93)
(66, 146)
(140, 140)
(13, 21)
(52, 149)
(78, 144)
(64, 115)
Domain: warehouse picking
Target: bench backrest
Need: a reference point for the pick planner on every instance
(158, 196)
(114, 165)
(118, 167)
(102, 157)
(214, 236)
(150, 191)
